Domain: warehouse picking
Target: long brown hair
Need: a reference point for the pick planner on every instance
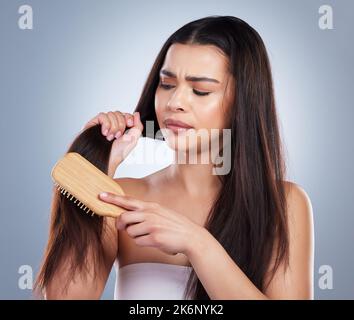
(249, 215)
(74, 234)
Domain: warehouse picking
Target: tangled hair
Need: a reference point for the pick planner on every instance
(73, 234)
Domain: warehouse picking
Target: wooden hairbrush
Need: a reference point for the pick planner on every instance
(80, 181)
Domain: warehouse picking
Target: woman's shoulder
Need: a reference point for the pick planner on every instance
(299, 206)
(296, 194)
(143, 187)
(135, 187)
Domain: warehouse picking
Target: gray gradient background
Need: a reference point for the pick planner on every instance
(83, 57)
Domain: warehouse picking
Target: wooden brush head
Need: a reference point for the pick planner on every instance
(80, 181)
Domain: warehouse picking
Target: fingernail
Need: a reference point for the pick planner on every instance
(104, 195)
(110, 137)
(118, 134)
(130, 122)
(105, 132)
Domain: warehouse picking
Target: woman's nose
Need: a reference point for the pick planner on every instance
(177, 102)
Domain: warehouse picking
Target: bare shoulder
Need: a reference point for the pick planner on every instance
(145, 187)
(299, 204)
(294, 190)
(135, 187)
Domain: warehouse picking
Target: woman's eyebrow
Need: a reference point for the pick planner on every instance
(188, 78)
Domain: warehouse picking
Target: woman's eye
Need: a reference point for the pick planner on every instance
(200, 93)
(169, 86)
(166, 86)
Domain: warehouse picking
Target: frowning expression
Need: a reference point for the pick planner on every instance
(194, 90)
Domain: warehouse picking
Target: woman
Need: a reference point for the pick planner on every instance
(190, 233)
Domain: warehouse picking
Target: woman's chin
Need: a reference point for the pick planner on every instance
(184, 141)
(182, 148)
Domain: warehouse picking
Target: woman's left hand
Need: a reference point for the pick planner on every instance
(153, 225)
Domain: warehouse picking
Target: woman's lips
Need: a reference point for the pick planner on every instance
(176, 128)
(176, 125)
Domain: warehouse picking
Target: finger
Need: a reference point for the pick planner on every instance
(129, 119)
(138, 229)
(137, 121)
(121, 123)
(135, 132)
(129, 217)
(145, 241)
(98, 119)
(105, 123)
(114, 126)
(124, 201)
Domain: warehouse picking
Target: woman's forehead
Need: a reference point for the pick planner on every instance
(196, 60)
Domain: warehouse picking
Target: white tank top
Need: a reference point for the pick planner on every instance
(151, 281)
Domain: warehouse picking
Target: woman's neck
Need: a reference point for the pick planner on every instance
(196, 180)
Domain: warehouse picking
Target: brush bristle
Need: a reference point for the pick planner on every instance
(69, 196)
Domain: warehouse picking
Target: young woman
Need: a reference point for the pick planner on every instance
(188, 233)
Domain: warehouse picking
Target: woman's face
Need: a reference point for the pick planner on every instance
(195, 88)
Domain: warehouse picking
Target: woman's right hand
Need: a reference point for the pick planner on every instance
(113, 126)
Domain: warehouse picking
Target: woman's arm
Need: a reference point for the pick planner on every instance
(223, 279)
(150, 224)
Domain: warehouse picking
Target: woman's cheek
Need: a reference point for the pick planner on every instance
(210, 115)
(160, 105)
